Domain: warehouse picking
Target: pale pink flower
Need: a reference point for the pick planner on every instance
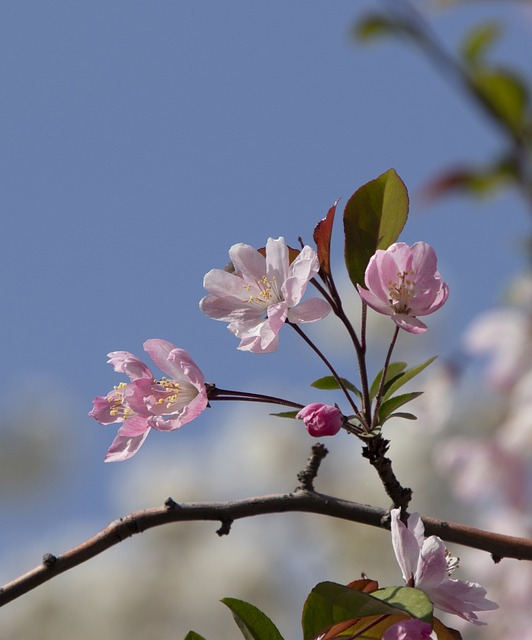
(263, 293)
(402, 282)
(504, 336)
(321, 419)
(426, 565)
(413, 629)
(144, 403)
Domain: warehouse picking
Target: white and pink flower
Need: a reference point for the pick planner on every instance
(263, 293)
(426, 565)
(145, 402)
(403, 282)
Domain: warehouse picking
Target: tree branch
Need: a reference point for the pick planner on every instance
(500, 546)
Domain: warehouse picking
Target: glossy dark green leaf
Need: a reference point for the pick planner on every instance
(406, 376)
(285, 414)
(394, 369)
(390, 405)
(322, 238)
(478, 40)
(330, 603)
(252, 622)
(408, 599)
(374, 217)
(192, 635)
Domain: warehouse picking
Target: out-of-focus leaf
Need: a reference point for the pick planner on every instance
(322, 238)
(478, 181)
(390, 405)
(330, 603)
(192, 635)
(330, 382)
(411, 600)
(376, 25)
(374, 217)
(478, 40)
(506, 93)
(253, 624)
(403, 378)
(285, 414)
(394, 369)
(445, 633)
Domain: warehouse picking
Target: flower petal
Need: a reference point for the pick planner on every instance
(405, 545)
(125, 362)
(311, 310)
(124, 447)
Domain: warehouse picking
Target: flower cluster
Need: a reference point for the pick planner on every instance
(147, 403)
(426, 565)
(263, 293)
(403, 282)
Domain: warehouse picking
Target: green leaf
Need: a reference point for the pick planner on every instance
(253, 624)
(411, 600)
(390, 405)
(478, 40)
(405, 377)
(394, 369)
(506, 93)
(402, 414)
(374, 217)
(328, 383)
(322, 238)
(330, 603)
(376, 25)
(192, 635)
(285, 414)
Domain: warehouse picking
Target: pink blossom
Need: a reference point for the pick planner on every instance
(144, 403)
(402, 282)
(504, 336)
(321, 419)
(263, 293)
(426, 565)
(413, 629)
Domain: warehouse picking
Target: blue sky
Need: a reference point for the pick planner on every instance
(139, 141)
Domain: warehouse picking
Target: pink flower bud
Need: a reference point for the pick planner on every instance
(321, 419)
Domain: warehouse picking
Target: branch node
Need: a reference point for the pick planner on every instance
(496, 558)
(225, 529)
(170, 504)
(308, 475)
(49, 560)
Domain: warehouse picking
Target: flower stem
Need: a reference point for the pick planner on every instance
(378, 398)
(329, 366)
(214, 393)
